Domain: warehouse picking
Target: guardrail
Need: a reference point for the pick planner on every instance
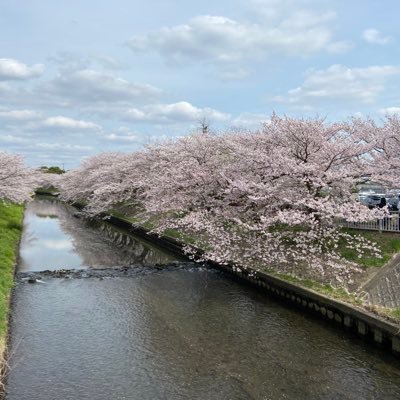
(391, 223)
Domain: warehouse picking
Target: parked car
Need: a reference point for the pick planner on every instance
(373, 200)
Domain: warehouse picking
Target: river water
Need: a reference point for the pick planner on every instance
(178, 332)
(55, 236)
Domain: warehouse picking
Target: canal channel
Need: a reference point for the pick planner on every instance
(161, 328)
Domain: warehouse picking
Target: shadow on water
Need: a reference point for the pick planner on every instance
(54, 238)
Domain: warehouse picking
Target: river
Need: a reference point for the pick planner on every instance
(181, 331)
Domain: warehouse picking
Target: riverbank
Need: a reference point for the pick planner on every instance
(11, 217)
(376, 324)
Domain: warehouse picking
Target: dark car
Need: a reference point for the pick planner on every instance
(371, 200)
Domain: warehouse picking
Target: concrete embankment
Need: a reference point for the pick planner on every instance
(384, 287)
(365, 324)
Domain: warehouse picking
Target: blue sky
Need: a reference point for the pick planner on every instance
(79, 77)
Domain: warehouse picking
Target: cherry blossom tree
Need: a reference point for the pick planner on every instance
(78, 185)
(106, 181)
(386, 155)
(270, 197)
(48, 180)
(17, 181)
(187, 173)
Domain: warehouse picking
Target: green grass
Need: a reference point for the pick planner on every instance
(10, 233)
(388, 242)
(152, 223)
(132, 218)
(325, 289)
(395, 313)
(182, 237)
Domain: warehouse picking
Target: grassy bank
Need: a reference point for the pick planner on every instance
(10, 233)
(388, 243)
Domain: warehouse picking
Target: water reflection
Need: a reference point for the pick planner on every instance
(181, 334)
(54, 238)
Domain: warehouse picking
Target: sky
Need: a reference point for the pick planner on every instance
(79, 77)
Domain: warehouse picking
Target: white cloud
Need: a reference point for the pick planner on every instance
(108, 62)
(12, 139)
(390, 110)
(61, 122)
(124, 135)
(376, 37)
(340, 82)
(63, 146)
(249, 120)
(225, 41)
(77, 61)
(181, 111)
(19, 115)
(126, 138)
(11, 69)
(92, 86)
(135, 114)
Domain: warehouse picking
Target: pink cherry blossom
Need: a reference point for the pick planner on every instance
(271, 197)
(17, 181)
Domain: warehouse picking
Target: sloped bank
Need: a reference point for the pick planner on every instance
(365, 324)
(11, 216)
